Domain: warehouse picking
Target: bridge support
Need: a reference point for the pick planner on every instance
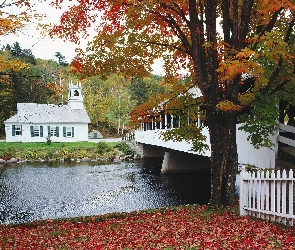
(174, 161)
(149, 151)
(182, 162)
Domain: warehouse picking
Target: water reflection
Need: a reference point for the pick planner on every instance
(33, 191)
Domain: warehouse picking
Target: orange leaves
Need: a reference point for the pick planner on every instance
(246, 53)
(23, 2)
(270, 6)
(14, 16)
(187, 227)
(130, 34)
(242, 63)
(229, 69)
(77, 64)
(228, 106)
(7, 63)
(9, 24)
(54, 87)
(267, 9)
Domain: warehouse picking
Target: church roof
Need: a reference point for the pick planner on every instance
(48, 113)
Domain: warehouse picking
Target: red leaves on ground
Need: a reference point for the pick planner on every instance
(184, 228)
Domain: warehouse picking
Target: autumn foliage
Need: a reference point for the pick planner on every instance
(217, 43)
(14, 15)
(187, 227)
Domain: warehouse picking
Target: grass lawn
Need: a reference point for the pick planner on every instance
(63, 150)
(185, 227)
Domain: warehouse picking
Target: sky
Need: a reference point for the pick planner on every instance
(45, 47)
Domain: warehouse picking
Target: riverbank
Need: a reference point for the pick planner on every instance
(184, 227)
(95, 150)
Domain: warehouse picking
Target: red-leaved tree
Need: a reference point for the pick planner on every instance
(218, 42)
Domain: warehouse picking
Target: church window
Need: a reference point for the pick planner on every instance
(53, 131)
(36, 131)
(68, 131)
(16, 130)
(76, 93)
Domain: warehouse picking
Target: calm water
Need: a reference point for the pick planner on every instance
(33, 191)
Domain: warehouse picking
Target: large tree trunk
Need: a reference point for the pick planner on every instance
(224, 157)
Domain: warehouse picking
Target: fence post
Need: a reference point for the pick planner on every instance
(267, 190)
(251, 193)
(291, 195)
(258, 194)
(244, 186)
(278, 195)
(263, 191)
(284, 195)
(272, 195)
(241, 192)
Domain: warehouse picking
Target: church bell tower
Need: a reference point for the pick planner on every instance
(75, 100)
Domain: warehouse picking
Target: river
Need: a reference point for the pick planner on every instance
(59, 190)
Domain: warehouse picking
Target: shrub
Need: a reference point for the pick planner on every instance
(7, 153)
(31, 155)
(103, 147)
(123, 147)
(49, 154)
(48, 140)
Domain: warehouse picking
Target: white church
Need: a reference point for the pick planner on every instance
(62, 123)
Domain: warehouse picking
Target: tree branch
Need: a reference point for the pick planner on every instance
(162, 44)
(279, 87)
(198, 53)
(245, 22)
(280, 63)
(268, 27)
(175, 27)
(212, 59)
(235, 33)
(227, 23)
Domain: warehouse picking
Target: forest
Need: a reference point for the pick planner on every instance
(34, 80)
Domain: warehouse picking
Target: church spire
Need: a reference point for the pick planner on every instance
(75, 99)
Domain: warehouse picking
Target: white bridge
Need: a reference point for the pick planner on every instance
(178, 156)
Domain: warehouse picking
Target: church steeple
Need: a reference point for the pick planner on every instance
(75, 99)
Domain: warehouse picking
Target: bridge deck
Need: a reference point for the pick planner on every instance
(247, 154)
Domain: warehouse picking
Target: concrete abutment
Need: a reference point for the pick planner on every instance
(182, 162)
(174, 161)
(146, 151)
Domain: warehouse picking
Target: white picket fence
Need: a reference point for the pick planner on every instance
(268, 195)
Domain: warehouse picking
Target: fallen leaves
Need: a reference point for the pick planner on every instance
(187, 227)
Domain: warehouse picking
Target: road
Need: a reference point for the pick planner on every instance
(105, 140)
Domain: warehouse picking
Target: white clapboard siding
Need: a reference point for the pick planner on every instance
(262, 157)
(268, 195)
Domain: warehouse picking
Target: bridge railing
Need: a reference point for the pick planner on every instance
(247, 154)
(165, 121)
(288, 129)
(153, 137)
